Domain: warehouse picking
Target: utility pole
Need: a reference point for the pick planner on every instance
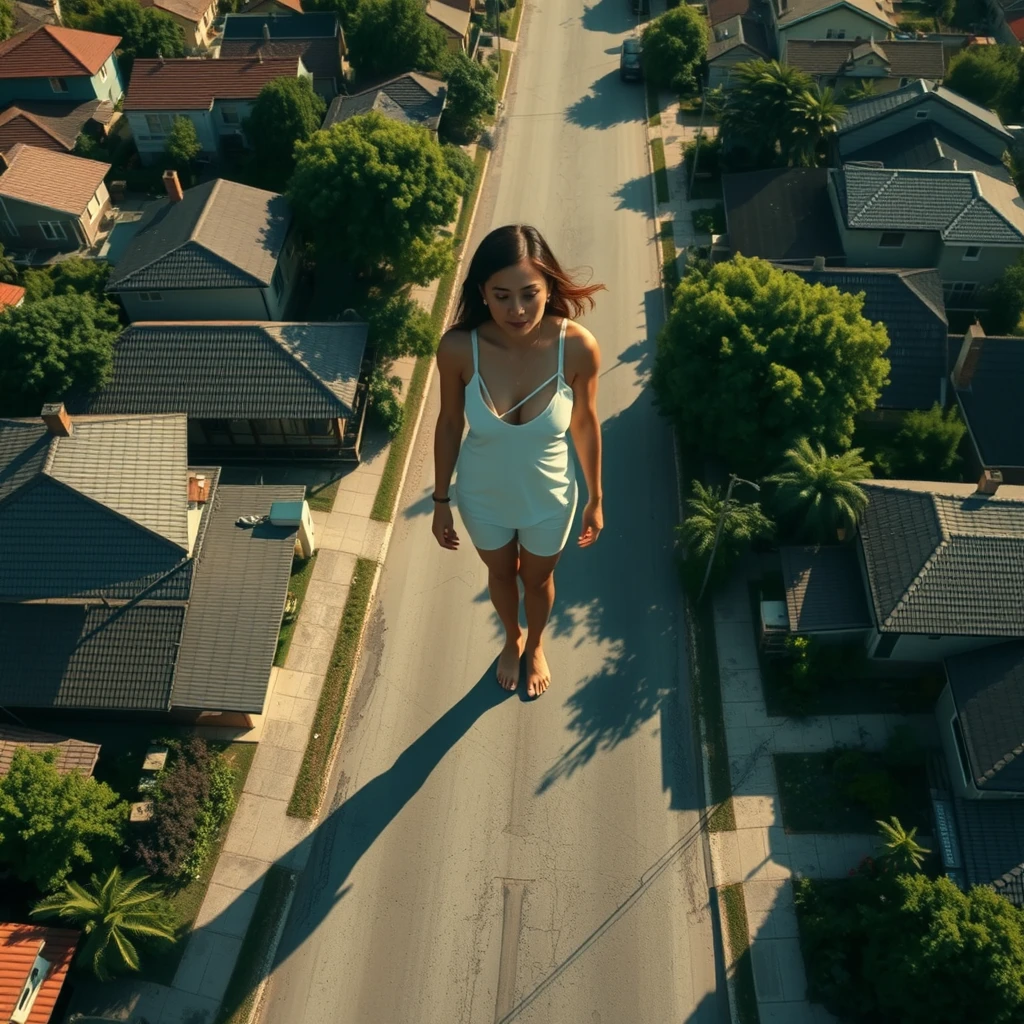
(700, 133)
(733, 480)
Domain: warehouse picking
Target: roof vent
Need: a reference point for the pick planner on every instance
(29, 991)
(819, 263)
(266, 32)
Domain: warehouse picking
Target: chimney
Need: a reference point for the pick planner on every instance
(819, 263)
(57, 420)
(266, 32)
(989, 481)
(173, 186)
(970, 353)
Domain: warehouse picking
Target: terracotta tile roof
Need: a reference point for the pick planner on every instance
(723, 10)
(190, 10)
(71, 754)
(52, 51)
(57, 181)
(19, 944)
(185, 84)
(10, 294)
(53, 126)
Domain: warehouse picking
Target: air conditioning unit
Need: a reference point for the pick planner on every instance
(295, 513)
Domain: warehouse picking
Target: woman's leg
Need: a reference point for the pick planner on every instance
(503, 586)
(537, 573)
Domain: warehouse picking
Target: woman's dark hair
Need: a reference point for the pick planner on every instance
(505, 247)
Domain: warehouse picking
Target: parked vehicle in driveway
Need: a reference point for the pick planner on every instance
(629, 61)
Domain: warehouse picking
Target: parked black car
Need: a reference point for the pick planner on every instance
(629, 60)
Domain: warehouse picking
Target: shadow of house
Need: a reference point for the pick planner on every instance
(126, 586)
(250, 390)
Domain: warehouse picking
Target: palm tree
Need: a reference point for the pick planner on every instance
(903, 852)
(816, 116)
(822, 488)
(862, 89)
(109, 912)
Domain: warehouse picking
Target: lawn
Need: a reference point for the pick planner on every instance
(669, 260)
(321, 497)
(813, 799)
(660, 173)
(653, 106)
(302, 572)
(737, 929)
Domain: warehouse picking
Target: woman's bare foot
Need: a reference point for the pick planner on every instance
(508, 662)
(538, 675)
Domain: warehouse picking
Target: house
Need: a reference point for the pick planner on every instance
(56, 63)
(216, 95)
(194, 17)
(316, 39)
(34, 962)
(887, 65)
(128, 585)
(1007, 18)
(411, 98)
(56, 126)
(51, 200)
(32, 14)
(454, 23)
(272, 7)
(11, 295)
(967, 225)
(988, 381)
(909, 303)
(220, 251)
(829, 19)
(735, 41)
(256, 390)
(72, 755)
(779, 214)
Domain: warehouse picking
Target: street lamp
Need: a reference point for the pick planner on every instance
(733, 480)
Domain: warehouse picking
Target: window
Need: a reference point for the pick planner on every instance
(93, 208)
(277, 281)
(959, 294)
(53, 230)
(903, 82)
(836, 33)
(59, 84)
(891, 240)
(961, 747)
(972, 252)
(150, 297)
(103, 73)
(921, 114)
(229, 115)
(159, 124)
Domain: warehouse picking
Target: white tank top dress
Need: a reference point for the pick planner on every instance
(517, 478)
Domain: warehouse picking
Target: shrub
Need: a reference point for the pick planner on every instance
(709, 158)
(213, 815)
(876, 790)
(926, 446)
(902, 750)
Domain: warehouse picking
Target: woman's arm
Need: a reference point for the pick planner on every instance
(448, 436)
(586, 429)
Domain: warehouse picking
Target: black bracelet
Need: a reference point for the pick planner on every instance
(441, 501)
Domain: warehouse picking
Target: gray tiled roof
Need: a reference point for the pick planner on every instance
(988, 689)
(315, 25)
(949, 202)
(992, 842)
(823, 589)
(221, 235)
(76, 656)
(904, 58)
(236, 370)
(992, 405)
(743, 31)
(909, 303)
(943, 564)
(412, 98)
(230, 634)
(320, 57)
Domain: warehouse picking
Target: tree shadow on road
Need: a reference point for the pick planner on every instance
(635, 194)
(610, 102)
(611, 16)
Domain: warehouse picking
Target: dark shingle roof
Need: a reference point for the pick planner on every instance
(78, 656)
(317, 25)
(944, 564)
(949, 202)
(904, 59)
(909, 303)
(782, 214)
(72, 755)
(988, 689)
(220, 235)
(738, 31)
(992, 843)
(62, 123)
(230, 634)
(412, 98)
(236, 371)
(992, 405)
(823, 589)
(320, 57)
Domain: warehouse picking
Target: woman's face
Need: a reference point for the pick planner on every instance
(516, 297)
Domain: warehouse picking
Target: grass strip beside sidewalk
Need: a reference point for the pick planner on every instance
(251, 965)
(669, 260)
(660, 173)
(739, 950)
(316, 760)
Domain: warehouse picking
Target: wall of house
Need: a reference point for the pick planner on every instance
(152, 144)
(80, 89)
(27, 234)
(197, 304)
(991, 262)
(905, 118)
(921, 648)
(196, 32)
(839, 19)
(720, 69)
(107, 82)
(280, 292)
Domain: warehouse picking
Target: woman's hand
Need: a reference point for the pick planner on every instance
(593, 523)
(444, 526)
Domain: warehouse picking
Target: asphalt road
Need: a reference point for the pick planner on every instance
(486, 859)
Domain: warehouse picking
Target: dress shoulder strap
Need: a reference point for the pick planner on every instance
(476, 351)
(561, 349)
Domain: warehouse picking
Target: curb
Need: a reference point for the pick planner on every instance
(282, 919)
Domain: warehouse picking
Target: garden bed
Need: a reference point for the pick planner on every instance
(813, 797)
(302, 572)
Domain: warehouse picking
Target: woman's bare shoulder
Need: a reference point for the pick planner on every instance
(455, 350)
(581, 348)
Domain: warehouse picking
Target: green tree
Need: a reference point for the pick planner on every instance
(798, 360)
(904, 854)
(674, 44)
(862, 89)
(372, 193)
(991, 77)
(816, 115)
(462, 165)
(472, 95)
(8, 269)
(926, 447)
(144, 31)
(81, 276)
(51, 823)
(389, 37)
(182, 145)
(6, 19)
(55, 346)
(820, 490)
(742, 524)
(1004, 301)
(287, 111)
(111, 913)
